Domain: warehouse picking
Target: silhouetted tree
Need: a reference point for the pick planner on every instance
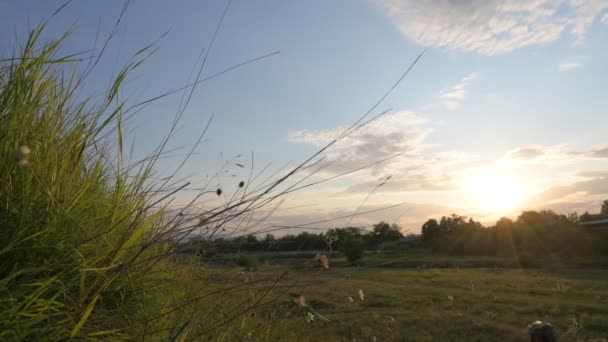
(383, 232)
(604, 208)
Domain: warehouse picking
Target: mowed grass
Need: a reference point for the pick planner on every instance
(448, 304)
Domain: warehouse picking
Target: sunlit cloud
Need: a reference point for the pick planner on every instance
(540, 153)
(536, 153)
(601, 152)
(401, 133)
(492, 27)
(568, 66)
(593, 187)
(452, 98)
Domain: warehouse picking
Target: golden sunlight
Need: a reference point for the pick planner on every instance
(495, 192)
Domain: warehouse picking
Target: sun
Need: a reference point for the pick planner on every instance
(495, 192)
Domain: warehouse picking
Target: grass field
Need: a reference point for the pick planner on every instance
(425, 304)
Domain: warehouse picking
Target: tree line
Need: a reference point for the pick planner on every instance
(534, 233)
(334, 239)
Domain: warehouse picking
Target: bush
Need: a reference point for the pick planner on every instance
(526, 260)
(353, 249)
(247, 260)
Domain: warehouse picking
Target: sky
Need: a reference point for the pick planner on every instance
(505, 110)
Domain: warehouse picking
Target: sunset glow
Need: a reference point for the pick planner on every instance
(495, 193)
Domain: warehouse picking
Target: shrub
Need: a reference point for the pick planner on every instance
(527, 260)
(247, 260)
(353, 249)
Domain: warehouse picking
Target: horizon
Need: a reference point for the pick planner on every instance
(502, 113)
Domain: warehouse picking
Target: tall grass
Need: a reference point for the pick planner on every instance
(77, 227)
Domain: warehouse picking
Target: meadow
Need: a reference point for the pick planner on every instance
(421, 303)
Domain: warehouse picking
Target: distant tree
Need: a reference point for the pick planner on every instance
(604, 208)
(504, 223)
(252, 242)
(573, 217)
(430, 231)
(384, 232)
(343, 234)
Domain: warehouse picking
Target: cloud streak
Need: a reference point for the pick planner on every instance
(554, 152)
(453, 97)
(492, 27)
(568, 66)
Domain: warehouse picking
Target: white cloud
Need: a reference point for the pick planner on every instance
(401, 132)
(491, 26)
(451, 98)
(404, 133)
(605, 18)
(568, 66)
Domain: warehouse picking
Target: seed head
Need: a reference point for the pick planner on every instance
(22, 155)
(322, 261)
(241, 184)
(24, 151)
(300, 302)
(351, 300)
(218, 191)
(361, 295)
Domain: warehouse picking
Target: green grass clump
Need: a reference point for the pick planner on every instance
(246, 260)
(81, 246)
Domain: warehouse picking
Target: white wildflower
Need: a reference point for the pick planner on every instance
(450, 298)
(351, 300)
(310, 317)
(361, 295)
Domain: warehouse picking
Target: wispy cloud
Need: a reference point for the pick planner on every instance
(605, 19)
(398, 133)
(452, 98)
(539, 153)
(600, 152)
(403, 134)
(594, 185)
(568, 66)
(492, 26)
(553, 152)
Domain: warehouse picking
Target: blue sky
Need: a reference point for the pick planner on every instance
(507, 102)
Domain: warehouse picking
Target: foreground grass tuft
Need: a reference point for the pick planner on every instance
(82, 248)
